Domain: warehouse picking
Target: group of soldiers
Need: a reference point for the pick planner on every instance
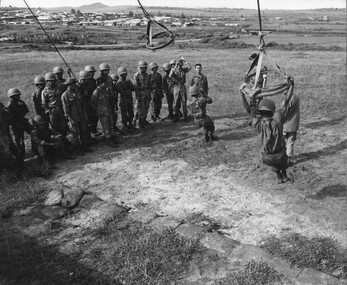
(67, 111)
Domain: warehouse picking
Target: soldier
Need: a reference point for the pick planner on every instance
(17, 110)
(199, 79)
(115, 108)
(269, 124)
(101, 105)
(36, 97)
(168, 89)
(75, 113)
(125, 88)
(178, 75)
(45, 143)
(52, 104)
(197, 105)
(156, 89)
(59, 72)
(111, 91)
(142, 94)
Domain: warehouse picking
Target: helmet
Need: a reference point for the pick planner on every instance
(114, 76)
(90, 68)
(39, 80)
(12, 92)
(166, 66)
(84, 74)
(122, 70)
(39, 120)
(267, 105)
(104, 66)
(172, 61)
(152, 65)
(180, 62)
(58, 69)
(50, 76)
(142, 63)
(194, 90)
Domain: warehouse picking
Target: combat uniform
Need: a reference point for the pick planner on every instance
(156, 88)
(143, 96)
(36, 99)
(125, 89)
(168, 86)
(86, 90)
(200, 80)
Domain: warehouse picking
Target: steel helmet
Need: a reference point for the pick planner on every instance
(90, 68)
(39, 120)
(142, 63)
(50, 76)
(114, 76)
(267, 105)
(58, 69)
(166, 66)
(84, 74)
(194, 90)
(122, 70)
(12, 92)
(152, 65)
(104, 66)
(39, 80)
(172, 61)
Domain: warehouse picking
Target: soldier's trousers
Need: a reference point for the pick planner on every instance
(156, 102)
(19, 139)
(92, 119)
(180, 98)
(107, 126)
(142, 104)
(127, 109)
(79, 133)
(170, 99)
(58, 121)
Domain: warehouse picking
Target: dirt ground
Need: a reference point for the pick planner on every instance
(167, 168)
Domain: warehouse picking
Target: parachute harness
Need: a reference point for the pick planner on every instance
(150, 36)
(263, 92)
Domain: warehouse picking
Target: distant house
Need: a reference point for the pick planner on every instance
(277, 18)
(132, 22)
(325, 18)
(231, 24)
(219, 24)
(188, 24)
(176, 24)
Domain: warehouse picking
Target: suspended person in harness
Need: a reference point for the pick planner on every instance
(269, 125)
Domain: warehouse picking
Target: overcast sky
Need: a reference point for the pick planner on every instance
(248, 4)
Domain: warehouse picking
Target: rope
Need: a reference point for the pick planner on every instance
(56, 49)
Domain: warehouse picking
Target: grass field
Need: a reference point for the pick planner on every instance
(320, 77)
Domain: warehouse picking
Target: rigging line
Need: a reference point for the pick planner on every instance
(143, 10)
(56, 49)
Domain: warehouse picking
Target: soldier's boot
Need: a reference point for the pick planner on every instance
(185, 117)
(285, 178)
(207, 138)
(279, 177)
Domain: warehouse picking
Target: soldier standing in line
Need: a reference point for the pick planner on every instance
(17, 109)
(197, 105)
(125, 88)
(199, 79)
(36, 97)
(114, 102)
(168, 89)
(59, 72)
(52, 104)
(75, 113)
(156, 88)
(178, 75)
(101, 105)
(142, 93)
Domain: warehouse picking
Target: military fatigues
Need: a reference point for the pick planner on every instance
(201, 120)
(143, 96)
(156, 88)
(17, 110)
(86, 89)
(36, 99)
(271, 137)
(200, 80)
(168, 86)
(100, 103)
(179, 90)
(125, 89)
(74, 109)
(51, 103)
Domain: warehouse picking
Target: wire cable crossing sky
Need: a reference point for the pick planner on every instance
(246, 4)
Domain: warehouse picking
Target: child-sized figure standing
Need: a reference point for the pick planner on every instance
(156, 88)
(291, 123)
(269, 125)
(17, 110)
(45, 143)
(197, 105)
(168, 86)
(125, 88)
(101, 105)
